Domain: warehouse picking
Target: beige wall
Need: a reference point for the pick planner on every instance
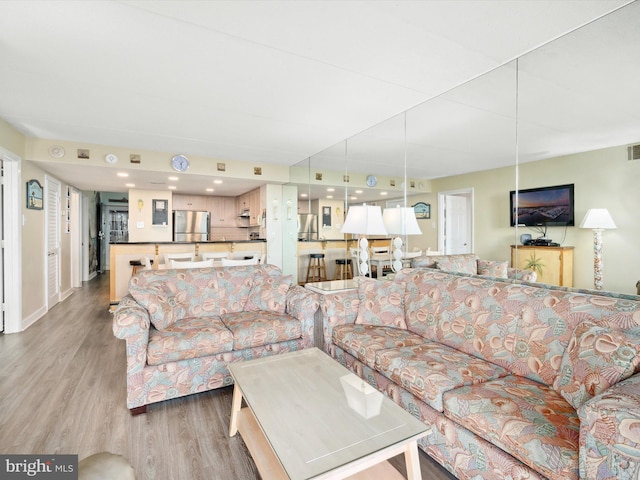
(148, 233)
(602, 178)
(33, 249)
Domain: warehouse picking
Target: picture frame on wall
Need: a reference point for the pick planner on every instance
(422, 210)
(34, 195)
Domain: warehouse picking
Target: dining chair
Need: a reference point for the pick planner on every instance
(195, 264)
(233, 263)
(189, 257)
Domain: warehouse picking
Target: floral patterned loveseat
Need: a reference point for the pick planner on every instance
(517, 381)
(469, 263)
(183, 327)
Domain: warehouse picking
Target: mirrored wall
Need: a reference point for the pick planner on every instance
(563, 114)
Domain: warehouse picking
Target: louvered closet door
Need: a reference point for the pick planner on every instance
(52, 192)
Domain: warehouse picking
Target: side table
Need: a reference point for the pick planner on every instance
(326, 288)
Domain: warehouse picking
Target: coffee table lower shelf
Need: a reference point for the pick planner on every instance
(270, 468)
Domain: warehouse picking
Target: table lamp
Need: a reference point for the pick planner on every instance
(400, 221)
(364, 220)
(597, 219)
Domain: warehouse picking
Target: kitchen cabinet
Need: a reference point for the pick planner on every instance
(223, 212)
(556, 263)
(190, 202)
(250, 202)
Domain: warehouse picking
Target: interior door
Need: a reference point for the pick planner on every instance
(456, 214)
(52, 192)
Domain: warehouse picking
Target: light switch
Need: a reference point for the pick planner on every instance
(139, 224)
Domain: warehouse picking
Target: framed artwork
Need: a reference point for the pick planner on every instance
(422, 210)
(34, 195)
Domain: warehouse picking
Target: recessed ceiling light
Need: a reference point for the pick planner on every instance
(173, 179)
(129, 185)
(353, 198)
(123, 174)
(331, 189)
(209, 189)
(383, 193)
(217, 181)
(358, 191)
(303, 195)
(329, 196)
(172, 187)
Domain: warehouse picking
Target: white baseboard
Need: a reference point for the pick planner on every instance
(33, 318)
(66, 294)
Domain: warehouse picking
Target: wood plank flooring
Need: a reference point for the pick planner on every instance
(62, 390)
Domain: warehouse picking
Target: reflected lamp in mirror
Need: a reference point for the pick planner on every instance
(364, 220)
(598, 219)
(400, 221)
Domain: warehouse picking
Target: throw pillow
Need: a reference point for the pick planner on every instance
(458, 264)
(493, 268)
(596, 358)
(268, 293)
(381, 303)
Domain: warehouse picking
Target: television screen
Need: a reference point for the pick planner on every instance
(545, 206)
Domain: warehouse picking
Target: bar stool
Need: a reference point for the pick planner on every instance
(138, 265)
(344, 269)
(316, 271)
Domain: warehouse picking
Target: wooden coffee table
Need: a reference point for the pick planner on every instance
(309, 417)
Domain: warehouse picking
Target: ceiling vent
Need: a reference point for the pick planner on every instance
(633, 152)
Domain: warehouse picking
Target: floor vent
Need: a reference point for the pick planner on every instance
(633, 152)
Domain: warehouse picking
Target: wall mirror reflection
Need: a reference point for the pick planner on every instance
(562, 114)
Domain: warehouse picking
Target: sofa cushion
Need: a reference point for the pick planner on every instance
(363, 341)
(431, 369)
(493, 268)
(234, 285)
(526, 419)
(381, 303)
(188, 338)
(268, 293)
(597, 357)
(258, 328)
(171, 295)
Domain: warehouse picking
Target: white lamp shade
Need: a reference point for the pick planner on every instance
(597, 218)
(364, 220)
(401, 221)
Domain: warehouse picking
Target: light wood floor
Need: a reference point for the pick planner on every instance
(62, 390)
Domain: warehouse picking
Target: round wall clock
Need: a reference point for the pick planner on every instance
(110, 158)
(180, 163)
(372, 181)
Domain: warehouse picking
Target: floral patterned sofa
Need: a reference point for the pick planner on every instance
(517, 381)
(469, 263)
(183, 327)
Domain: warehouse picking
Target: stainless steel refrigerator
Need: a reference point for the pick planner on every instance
(190, 226)
(307, 227)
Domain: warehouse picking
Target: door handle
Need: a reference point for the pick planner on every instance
(50, 254)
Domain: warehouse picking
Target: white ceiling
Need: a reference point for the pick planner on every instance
(278, 82)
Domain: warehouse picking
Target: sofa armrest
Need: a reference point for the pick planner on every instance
(130, 318)
(303, 304)
(131, 323)
(610, 433)
(339, 308)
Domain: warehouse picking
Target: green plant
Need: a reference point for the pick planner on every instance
(534, 264)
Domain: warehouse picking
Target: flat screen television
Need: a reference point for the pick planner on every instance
(544, 206)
